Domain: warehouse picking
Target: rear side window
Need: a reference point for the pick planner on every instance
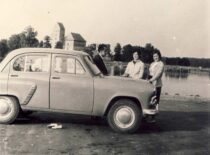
(64, 65)
(67, 65)
(32, 63)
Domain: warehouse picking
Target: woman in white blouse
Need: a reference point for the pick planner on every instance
(156, 71)
(135, 68)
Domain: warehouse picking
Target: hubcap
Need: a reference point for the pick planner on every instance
(124, 117)
(5, 107)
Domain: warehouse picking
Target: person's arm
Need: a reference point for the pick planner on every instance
(158, 73)
(102, 65)
(141, 73)
(105, 71)
(126, 74)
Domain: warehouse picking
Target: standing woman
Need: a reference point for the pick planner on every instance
(156, 71)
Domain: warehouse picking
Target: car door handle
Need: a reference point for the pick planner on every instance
(55, 77)
(14, 75)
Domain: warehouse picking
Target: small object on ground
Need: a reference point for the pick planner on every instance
(55, 126)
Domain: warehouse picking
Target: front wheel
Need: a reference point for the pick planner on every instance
(9, 109)
(124, 116)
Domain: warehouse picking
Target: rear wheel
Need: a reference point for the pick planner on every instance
(9, 109)
(124, 116)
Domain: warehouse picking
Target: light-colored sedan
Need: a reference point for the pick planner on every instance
(69, 82)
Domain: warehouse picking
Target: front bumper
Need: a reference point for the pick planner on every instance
(150, 112)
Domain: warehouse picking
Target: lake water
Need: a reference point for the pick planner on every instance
(187, 84)
(179, 81)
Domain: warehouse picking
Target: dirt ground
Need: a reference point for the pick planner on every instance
(182, 127)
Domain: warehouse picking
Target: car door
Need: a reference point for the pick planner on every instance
(71, 87)
(29, 79)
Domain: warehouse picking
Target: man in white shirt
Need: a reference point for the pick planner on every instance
(135, 68)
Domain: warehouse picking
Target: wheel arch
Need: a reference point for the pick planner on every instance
(15, 97)
(11, 109)
(113, 100)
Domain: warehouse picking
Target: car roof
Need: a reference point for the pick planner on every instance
(38, 50)
(46, 50)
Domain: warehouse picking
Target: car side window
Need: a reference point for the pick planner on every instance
(64, 65)
(32, 63)
(36, 63)
(19, 64)
(67, 65)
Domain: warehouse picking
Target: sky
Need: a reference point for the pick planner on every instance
(178, 28)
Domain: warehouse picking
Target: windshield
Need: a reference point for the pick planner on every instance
(92, 65)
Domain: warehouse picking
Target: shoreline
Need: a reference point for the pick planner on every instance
(183, 98)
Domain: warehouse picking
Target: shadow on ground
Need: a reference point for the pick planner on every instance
(166, 121)
(178, 121)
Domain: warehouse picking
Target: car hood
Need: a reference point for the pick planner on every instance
(127, 80)
(107, 88)
(124, 83)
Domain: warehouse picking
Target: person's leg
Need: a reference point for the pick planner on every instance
(158, 92)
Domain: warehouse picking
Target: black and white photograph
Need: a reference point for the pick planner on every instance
(104, 77)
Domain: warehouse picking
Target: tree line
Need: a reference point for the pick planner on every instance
(28, 38)
(125, 54)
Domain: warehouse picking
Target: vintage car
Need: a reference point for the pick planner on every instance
(57, 80)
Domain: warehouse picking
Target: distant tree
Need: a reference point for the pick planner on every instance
(46, 43)
(108, 52)
(173, 61)
(28, 37)
(184, 62)
(137, 49)
(14, 42)
(127, 53)
(149, 47)
(148, 53)
(117, 52)
(41, 44)
(23, 42)
(3, 47)
(25, 39)
(59, 45)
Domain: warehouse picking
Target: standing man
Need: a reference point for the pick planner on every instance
(99, 61)
(135, 68)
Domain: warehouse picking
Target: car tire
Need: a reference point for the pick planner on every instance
(125, 116)
(9, 109)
